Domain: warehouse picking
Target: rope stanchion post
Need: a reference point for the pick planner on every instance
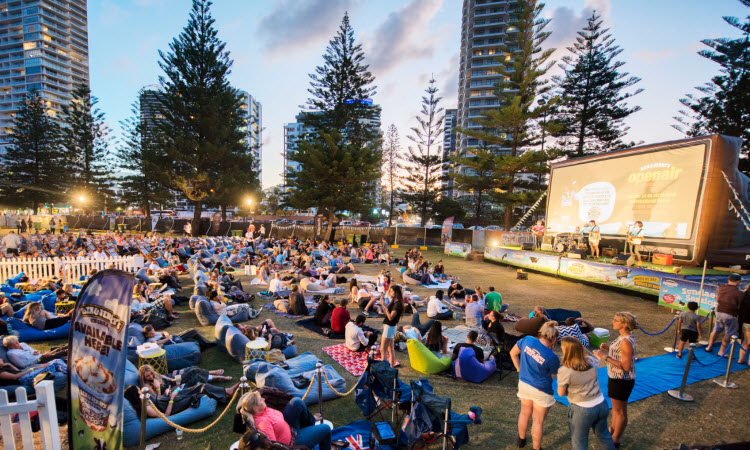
(144, 405)
(725, 383)
(319, 367)
(711, 317)
(244, 387)
(673, 348)
(680, 394)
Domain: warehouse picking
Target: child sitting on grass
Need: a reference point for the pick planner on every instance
(689, 324)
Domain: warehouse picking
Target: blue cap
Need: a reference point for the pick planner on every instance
(735, 277)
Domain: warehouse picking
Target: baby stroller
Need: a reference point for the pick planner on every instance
(431, 422)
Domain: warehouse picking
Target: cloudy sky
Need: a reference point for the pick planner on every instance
(276, 44)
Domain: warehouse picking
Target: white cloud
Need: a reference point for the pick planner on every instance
(565, 22)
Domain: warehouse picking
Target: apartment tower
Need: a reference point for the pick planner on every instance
(43, 47)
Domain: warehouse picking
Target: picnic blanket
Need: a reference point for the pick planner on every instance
(336, 290)
(660, 373)
(310, 306)
(458, 334)
(354, 362)
(444, 285)
(309, 324)
(367, 278)
(508, 317)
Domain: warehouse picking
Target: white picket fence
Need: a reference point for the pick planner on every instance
(44, 404)
(69, 269)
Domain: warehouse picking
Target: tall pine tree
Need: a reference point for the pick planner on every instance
(724, 104)
(391, 166)
(340, 159)
(424, 162)
(142, 162)
(35, 160)
(477, 178)
(594, 93)
(201, 130)
(513, 128)
(86, 139)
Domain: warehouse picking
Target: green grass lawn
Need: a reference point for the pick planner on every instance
(657, 422)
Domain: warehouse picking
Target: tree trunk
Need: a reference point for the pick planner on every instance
(223, 212)
(390, 210)
(329, 229)
(196, 222)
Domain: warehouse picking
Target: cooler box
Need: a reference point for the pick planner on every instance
(662, 259)
(598, 337)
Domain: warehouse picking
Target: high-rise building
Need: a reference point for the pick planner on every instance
(484, 27)
(449, 149)
(253, 112)
(43, 47)
(293, 132)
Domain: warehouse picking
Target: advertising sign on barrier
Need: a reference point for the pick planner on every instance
(676, 293)
(631, 278)
(96, 362)
(457, 249)
(445, 236)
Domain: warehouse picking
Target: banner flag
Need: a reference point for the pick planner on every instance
(96, 361)
(447, 232)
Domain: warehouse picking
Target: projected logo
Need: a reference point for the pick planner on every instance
(596, 201)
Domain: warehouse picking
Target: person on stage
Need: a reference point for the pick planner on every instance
(594, 238)
(538, 231)
(635, 238)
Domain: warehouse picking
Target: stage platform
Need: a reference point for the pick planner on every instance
(674, 290)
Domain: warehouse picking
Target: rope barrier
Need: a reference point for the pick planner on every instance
(312, 381)
(706, 318)
(718, 358)
(201, 430)
(325, 377)
(661, 332)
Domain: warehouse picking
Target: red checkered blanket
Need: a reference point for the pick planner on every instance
(354, 362)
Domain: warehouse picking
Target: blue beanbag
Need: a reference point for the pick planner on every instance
(222, 325)
(131, 430)
(274, 376)
(206, 313)
(131, 374)
(467, 367)
(194, 299)
(560, 315)
(10, 289)
(302, 363)
(235, 342)
(27, 333)
(13, 280)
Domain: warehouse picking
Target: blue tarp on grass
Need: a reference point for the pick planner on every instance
(657, 374)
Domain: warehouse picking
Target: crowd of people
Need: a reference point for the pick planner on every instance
(294, 270)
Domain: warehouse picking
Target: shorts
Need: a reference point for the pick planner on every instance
(688, 336)
(529, 392)
(746, 327)
(12, 251)
(727, 323)
(389, 331)
(620, 389)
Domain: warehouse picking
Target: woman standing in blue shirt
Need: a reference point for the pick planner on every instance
(536, 364)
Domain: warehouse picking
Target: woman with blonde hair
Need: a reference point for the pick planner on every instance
(536, 364)
(578, 380)
(620, 359)
(42, 319)
(294, 426)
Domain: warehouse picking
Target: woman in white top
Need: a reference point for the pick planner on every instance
(577, 379)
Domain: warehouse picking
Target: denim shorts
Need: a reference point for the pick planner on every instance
(389, 331)
(727, 323)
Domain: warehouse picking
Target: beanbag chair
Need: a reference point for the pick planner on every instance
(409, 280)
(205, 313)
(302, 363)
(574, 331)
(179, 356)
(131, 374)
(529, 326)
(10, 289)
(131, 430)
(220, 330)
(13, 280)
(235, 343)
(27, 333)
(424, 361)
(467, 367)
(274, 376)
(194, 299)
(560, 315)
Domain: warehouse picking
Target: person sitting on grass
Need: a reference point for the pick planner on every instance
(297, 304)
(494, 301)
(473, 311)
(356, 339)
(457, 291)
(340, 316)
(471, 340)
(436, 309)
(323, 312)
(435, 341)
(277, 286)
(44, 320)
(368, 301)
(689, 324)
(277, 426)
